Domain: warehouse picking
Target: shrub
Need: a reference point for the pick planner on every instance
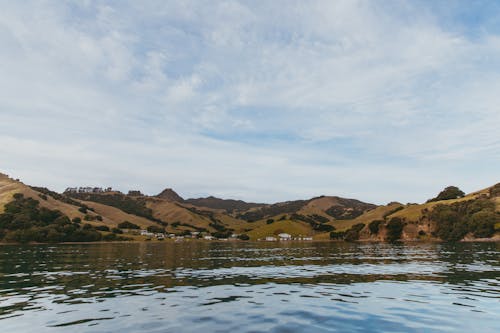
(269, 221)
(450, 225)
(450, 192)
(102, 228)
(351, 235)
(155, 229)
(82, 210)
(18, 196)
(128, 225)
(324, 227)
(117, 231)
(337, 234)
(482, 223)
(374, 226)
(394, 229)
(244, 237)
(77, 220)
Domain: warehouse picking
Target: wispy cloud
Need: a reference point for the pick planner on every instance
(375, 100)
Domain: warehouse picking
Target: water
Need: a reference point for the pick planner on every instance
(250, 287)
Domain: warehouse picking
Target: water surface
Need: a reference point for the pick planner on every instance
(250, 287)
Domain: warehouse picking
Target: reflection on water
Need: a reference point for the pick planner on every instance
(250, 287)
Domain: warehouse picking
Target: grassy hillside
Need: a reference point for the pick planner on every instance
(293, 228)
(460, 216)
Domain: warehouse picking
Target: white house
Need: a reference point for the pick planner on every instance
(271, 239)
(147, 233)
(208, 237)
(307, 238)
(285, 236)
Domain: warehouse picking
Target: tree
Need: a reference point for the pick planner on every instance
(450, 192)
(128, 225)
(244, 237)
(374, 226)
(482, 224)
(155, 229)
(394, 229)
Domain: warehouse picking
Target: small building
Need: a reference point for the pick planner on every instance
(135, 193)
(307, 238)
(147, 233)
(71, 190)
(285, 237)
(271, 239)
(208, 237)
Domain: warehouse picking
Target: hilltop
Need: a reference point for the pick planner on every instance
(112, 215)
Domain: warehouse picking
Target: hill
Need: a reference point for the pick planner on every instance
(93, 214)
(227, 205)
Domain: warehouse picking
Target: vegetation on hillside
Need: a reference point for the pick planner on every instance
(273, 210)
(136, 206)
(315, 221)
(394, 229)
(23, 220)
(450, 192)
(458, 219)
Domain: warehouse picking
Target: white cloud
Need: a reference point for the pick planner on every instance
(344, 97)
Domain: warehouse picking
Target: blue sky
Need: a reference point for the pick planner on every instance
(255, 100)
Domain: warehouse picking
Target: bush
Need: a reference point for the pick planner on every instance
(244, 237)
(155, 229)
(82, 210)
(324, 227)
(102, 228)
(450, 192)
(128, 225)
(374, 226)
(482, 223)
(394, 229)
(269, 221)
(351, 235)
(77, 220)
(337, 235)
(117, 231)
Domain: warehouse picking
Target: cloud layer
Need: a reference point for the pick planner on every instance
(255, 100)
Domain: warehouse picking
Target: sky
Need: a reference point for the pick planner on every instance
(257, 100)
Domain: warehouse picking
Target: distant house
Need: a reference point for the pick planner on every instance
(271, 239)
(285, 236)
(86, 189)
(308, 238)
(208, 237)
(147, 233)
(135, 193)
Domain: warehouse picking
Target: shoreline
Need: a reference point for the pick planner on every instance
(478, 240)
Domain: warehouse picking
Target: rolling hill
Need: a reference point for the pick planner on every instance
(323, 217)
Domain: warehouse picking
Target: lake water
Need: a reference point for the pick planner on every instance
(250, 287)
